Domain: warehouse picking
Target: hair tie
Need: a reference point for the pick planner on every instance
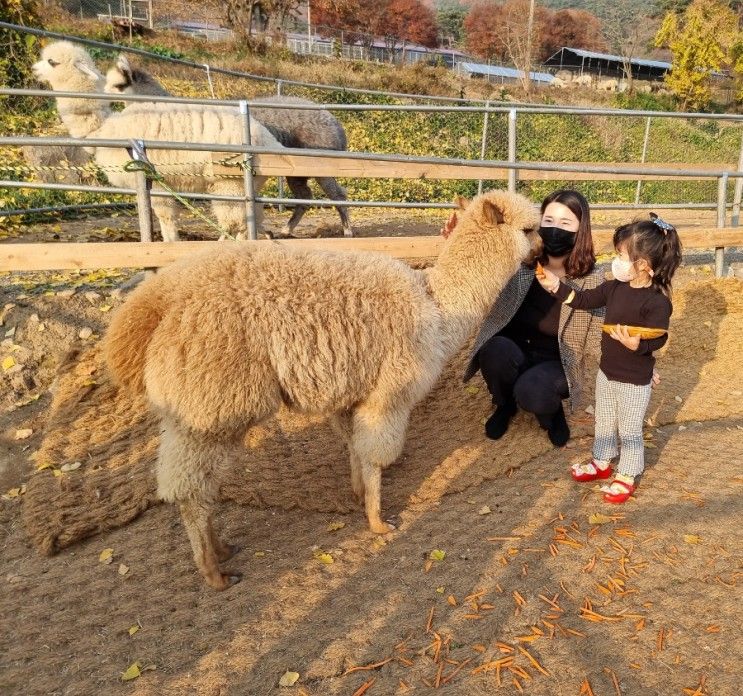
(662, 224)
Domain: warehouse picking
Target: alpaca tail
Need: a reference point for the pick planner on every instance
(130, 333)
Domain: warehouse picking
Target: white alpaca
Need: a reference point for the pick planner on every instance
(67, 67)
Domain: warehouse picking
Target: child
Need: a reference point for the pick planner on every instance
(648, 254)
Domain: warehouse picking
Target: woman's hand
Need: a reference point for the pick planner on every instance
(449, 225)
(621, 333)
(655, 381)
(547, 279)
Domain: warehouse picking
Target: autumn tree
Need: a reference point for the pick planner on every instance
(573, 28)
(241, 15)
(702, 41)
(628, 32)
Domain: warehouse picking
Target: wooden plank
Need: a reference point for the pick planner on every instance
(349, 167)
(52, 256)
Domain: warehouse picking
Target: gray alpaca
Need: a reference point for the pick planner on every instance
(296, 128)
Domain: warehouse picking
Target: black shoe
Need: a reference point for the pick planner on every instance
(558, 431)
(497, 424)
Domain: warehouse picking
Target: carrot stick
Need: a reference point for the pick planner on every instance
(364, 687)
(361, 668)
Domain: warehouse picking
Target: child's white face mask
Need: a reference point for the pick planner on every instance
(623, 270)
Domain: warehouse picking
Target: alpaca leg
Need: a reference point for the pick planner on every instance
(378, 440)
(231, 217)
(300, 189)
(166, 212)
(223, 551)
(336, 192)
(342, 423)
(187, 474)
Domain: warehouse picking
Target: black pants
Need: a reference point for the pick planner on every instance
(537, 386)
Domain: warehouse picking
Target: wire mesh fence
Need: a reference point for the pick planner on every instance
(550, 135)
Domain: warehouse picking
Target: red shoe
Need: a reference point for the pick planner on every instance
(619, 497)
(584, 476)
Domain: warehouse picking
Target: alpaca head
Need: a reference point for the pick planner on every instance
(508, 219)
(122, 78)
(67, 67)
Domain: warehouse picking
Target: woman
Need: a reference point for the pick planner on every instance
(532, 350)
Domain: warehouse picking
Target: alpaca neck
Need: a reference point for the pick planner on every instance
(469, 275)
(82, 117)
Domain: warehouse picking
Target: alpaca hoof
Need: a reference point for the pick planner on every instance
(223, 582)
(381, 527)
(229, 551)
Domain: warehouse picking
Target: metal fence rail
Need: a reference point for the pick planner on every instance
(472, 167)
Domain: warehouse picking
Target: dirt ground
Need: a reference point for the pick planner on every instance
(503, 574)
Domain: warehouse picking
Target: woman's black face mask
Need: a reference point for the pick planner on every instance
(557, 242)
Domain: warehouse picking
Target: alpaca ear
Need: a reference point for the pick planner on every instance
(492, 213)
(122, 64)
(461, 202)
(86, 69)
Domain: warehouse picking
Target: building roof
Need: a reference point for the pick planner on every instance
(659, 64)
(503, 71)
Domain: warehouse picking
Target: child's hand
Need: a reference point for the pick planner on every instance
(449, 226)
(621, 334)
(547, 279)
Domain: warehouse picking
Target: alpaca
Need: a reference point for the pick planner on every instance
(67, 67)
(294, 128)
(220, 341)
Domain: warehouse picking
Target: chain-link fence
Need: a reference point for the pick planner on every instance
(549, 135)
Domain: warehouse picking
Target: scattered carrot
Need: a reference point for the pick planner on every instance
(362, 668)
(590, 565)
(533, 661)
(659, 641)
(472, 616)
(575, 633)
(430, 620)
(713, 629)
(504, 538)
(504, 647)
(451, 600)
(475, 595)
(585, 688)
(550, 602)
(479, 647)
(518, 598)
(405, 661)
(404, 685)
(614, 680)
(519, 671)
(565, 589)
(518, 686)
(539, 271)
(493, 664)
(453, 674)
(439, 672)
(364, 687)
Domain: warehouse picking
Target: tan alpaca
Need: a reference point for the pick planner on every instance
(222, 340)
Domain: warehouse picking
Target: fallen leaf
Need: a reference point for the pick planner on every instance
(132, 673)
(8, 362)
(289, 679)
(650, 445)
(259, 554)
(679, 399)
(335, 526)
(484, 510)
(598, 518)
(13, 493)
(440, 589)
(106, 556)
(105, 308)
(23, 434)
(472, 389)
(133, 629)
(123, 569)
(325, 558)
(451, 600)
(437, 555)
(692, 539)
(74, 466)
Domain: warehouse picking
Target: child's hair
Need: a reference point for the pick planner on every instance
(656, 241)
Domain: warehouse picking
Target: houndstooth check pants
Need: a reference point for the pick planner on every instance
(620, 409)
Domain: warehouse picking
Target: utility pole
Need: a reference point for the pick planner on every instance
(527, 66)
(309, 29)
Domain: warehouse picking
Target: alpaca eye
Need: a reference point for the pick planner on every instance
(53, 63)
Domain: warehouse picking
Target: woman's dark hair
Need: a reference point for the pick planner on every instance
(658, 243)
(582, 258)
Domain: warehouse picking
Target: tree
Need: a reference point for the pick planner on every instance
(628, 31)
(450, 16)
(18, 51)
(411, 20)
(240, 15)
(702, 41)
(572, 28)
